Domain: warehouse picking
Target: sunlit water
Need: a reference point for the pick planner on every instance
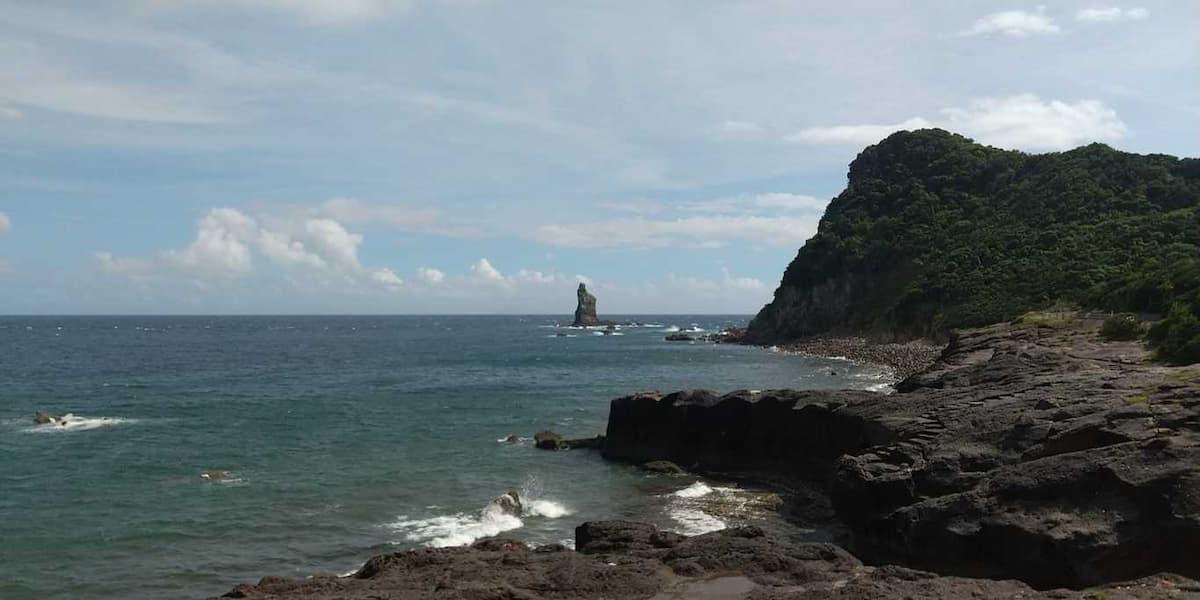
(342, 437)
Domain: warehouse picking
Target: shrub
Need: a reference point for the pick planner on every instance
(1177, 337)
(1122, 327)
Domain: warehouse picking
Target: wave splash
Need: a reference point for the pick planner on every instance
(461, 529)
(72, 422)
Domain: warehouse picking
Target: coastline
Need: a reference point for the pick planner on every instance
(904, 359)
(981, 471)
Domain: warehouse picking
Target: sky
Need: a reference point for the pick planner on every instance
(485, 156)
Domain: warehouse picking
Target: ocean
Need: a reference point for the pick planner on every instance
(338, 438)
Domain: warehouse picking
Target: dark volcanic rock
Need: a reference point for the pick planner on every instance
(1029, 452)
(547, 440)
(585, 310)
(595, 443)
(663, 466)
(620, 559)
(41, 418)
(680, 337)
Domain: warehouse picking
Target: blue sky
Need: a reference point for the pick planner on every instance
(479, 156)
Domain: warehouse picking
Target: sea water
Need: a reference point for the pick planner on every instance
(329, 439)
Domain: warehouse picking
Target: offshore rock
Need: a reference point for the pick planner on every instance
(1033, 450)
(585, 309)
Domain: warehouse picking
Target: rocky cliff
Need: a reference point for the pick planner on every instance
(1032, 451)
(935, 232)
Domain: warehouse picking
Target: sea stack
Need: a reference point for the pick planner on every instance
(585, 311)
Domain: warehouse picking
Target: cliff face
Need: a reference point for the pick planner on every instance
(935, 232)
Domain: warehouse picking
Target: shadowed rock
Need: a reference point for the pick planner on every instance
(622, 559)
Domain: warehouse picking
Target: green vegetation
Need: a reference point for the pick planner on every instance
(935, 232)
(1122, 327)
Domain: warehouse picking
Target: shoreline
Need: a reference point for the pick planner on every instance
(904, 359)
(1081, 434)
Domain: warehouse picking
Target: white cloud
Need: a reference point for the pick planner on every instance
(357, 212)
(1024, 122)
(387, 278)
(702, 231)
(430, 276)
(5, 223)
(10, 113)
(750, 204)
(227, 239)
(220, 249)
(484, 271)
(1027, 122)
(856, 135)
(128, 266)
(1014, 23)
(1112, 13)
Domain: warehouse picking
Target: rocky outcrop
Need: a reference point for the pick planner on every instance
(585, 309)
(1032, 451)
(41, 418)
(547, 440)
(621, 559)
(679, 337)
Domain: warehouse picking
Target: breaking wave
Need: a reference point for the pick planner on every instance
(72, 422)
(461, 529)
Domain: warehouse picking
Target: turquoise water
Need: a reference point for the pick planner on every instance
(342, 436)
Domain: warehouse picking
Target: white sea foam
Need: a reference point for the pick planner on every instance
(693, 521)
(457, 529)
(882, 388)
(461, 529)
(71, 422)
(671, 329)
(695, 490)
(546, 508)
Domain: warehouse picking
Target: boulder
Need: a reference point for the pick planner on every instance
(41, 418)
(508, 503)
